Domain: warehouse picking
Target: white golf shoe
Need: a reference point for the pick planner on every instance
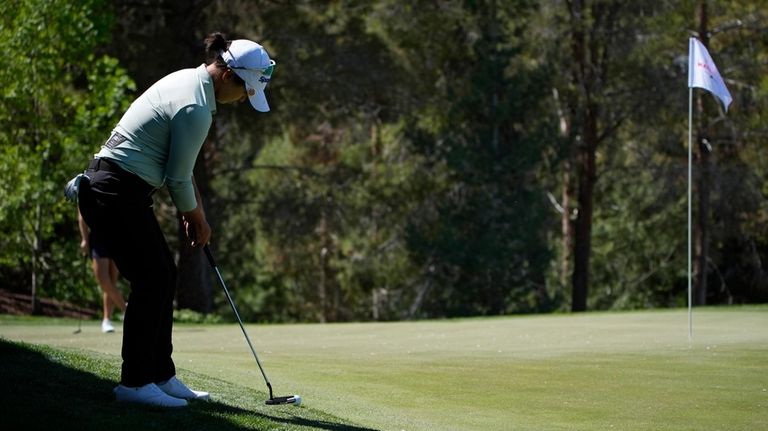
(175, 388)
(106, 326)
(149, 395)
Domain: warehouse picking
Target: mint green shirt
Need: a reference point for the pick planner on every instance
(164, 130)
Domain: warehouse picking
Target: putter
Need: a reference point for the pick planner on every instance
(273, 400)
(79, 324)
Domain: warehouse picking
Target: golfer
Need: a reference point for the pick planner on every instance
(155, 144)
(105, 271)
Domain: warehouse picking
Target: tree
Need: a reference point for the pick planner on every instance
(411, 160)
(638, 246)
(59, 98)
(589, 75)
(291, 182)
(475, 116)
(599, 77)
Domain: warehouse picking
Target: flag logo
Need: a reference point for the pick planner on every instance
(703, 73)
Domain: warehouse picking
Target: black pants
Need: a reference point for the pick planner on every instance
(117, 206)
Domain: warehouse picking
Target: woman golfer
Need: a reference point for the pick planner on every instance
(155, 144)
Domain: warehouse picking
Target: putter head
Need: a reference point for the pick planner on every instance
(291, 399)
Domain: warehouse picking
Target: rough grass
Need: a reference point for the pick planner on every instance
(595, 371)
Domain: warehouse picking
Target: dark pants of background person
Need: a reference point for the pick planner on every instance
(117, 206)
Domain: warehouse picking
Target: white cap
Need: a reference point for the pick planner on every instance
(250, 61)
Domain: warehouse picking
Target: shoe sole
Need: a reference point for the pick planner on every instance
(151, 407)
(205, 398)
(154, 406)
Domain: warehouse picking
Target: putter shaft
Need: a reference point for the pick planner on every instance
(237, 315)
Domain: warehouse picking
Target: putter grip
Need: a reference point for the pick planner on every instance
(208, 254)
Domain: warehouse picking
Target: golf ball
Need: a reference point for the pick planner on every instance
(297, 400)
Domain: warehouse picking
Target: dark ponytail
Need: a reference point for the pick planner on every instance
(214, 44)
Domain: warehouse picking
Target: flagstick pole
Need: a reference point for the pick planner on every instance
(702, 73)
(690, 199)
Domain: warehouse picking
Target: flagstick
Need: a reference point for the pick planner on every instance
(690, 195)
(702, 73)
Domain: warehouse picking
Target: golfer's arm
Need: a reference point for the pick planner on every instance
(189, 128)
(200, 231)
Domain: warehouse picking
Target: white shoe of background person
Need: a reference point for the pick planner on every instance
(106, 326)
(175, 388)
(149, 395)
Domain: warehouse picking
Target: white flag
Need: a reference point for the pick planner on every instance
(703, 73)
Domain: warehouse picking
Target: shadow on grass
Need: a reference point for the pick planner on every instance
(42, 388)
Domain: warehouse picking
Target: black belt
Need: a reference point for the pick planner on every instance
(107, 165)
(99, 164)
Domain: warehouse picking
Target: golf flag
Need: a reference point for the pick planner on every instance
(703, 73)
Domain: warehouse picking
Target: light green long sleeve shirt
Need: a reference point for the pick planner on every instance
(164, 130)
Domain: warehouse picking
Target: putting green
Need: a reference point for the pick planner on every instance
(627, 371)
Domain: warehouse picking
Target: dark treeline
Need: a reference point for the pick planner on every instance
(422, 159)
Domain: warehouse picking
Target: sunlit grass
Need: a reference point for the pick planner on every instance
(629, 371)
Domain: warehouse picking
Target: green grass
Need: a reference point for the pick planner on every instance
(624, 371)
(46, 388)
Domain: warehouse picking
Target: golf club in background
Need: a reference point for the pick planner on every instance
(291, 399)
(84, 273)
(79, 324)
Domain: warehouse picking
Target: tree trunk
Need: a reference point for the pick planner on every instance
(585, 70)
(702, 223)
(36, 259)
(587, 176)
(566, 228)
(565, 225)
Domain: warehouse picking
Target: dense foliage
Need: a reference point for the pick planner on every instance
(422, 159)
(59, 95)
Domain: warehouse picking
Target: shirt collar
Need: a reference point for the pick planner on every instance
(207, 81)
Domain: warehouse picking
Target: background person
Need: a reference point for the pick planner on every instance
(155, 144)
(105, 271)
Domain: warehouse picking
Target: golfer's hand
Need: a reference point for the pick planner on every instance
(196, 227)
(84, 247)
